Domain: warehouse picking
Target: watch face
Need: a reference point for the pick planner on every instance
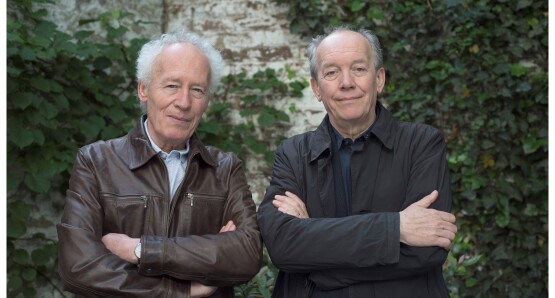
(138, 251)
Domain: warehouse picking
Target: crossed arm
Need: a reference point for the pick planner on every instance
(381, 245)
(419, 225)
(123, 246)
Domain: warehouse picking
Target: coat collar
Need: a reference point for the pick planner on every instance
(384, 129)
(139, 152)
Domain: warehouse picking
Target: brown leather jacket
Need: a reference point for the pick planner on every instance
(121, 186)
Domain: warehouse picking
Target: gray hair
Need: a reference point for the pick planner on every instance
(368, 34)
(152, 49)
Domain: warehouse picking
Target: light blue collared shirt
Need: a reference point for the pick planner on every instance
(176, 162)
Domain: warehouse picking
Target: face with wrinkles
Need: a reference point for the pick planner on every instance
(177, 96)
(347, 82)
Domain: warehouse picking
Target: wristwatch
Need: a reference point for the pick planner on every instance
(138, 251)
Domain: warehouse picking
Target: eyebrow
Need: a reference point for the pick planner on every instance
(363, 61)
(174, 79)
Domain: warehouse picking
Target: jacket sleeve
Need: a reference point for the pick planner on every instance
(222, 259)
(305, 245)
(85, 265)
(429, 171)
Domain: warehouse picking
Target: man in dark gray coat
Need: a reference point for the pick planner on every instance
(360, 206)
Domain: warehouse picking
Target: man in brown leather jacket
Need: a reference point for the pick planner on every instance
(156, 213)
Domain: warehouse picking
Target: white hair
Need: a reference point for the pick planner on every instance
(150, 51)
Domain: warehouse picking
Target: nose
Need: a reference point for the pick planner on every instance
(346, 80)
(183, 100)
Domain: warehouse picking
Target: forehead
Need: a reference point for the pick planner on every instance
(343, 47)
(182, 59)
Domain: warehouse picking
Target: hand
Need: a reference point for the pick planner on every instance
(422, 226)
(229, 227)
(200, 290)
(122, 246)
(290, 204)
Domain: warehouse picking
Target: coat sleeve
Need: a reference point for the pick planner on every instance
(305, 245)
(223, 259)
(428, 172)
(86, 266)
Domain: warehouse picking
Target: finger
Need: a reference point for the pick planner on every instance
(285, 202)
(287, 199)
(289, 211)
(232, 227)
(444, 242)
(447, 234)
(446, 216)
(226, 227)
(293, 196)
(428, 200)
(277, 203)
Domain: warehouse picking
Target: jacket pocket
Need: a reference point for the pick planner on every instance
(127, 214)
(206, 213)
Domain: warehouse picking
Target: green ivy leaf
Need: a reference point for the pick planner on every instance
(531, 210)
(37, 182)
(472, 260)
(29, 274)
(21, 138)
(15, 282)
(102, 63)
(38, 137)
(470, 282)
(266, 119)
(356, 6)
(27, 54)
(20, 256)
(29, 292)
(40, 83)
(23, 100)
(40, 257)
(518, 70)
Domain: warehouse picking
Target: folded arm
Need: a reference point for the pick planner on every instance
(427, 229)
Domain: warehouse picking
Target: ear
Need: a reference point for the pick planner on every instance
(142, 92)
(315, 88)
(380, 79)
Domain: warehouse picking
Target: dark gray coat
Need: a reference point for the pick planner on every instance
(401, 162)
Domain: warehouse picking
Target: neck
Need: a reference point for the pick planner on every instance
(353, 129)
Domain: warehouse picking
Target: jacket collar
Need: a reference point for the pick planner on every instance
(139, 151)
(384, 129)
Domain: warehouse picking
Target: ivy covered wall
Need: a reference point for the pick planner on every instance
(475, 69)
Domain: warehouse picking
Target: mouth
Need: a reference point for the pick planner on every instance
(179, 119)
(348, 98)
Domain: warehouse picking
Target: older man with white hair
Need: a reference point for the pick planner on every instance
(156, 213)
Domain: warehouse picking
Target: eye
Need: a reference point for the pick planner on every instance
(172, 86)
(198, 92)
(360, 71)
(331, 74)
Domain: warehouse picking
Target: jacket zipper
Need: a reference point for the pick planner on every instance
(145, 201)
(192, 196)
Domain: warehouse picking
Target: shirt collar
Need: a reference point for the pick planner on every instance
(339, 139)
(182, 154)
